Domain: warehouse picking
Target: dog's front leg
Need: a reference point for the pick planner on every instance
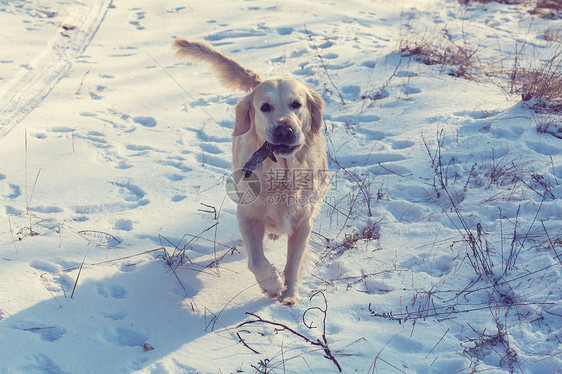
(296, 252)
(268, 277)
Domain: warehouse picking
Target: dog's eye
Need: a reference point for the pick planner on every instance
(295, 105)
(265, 108)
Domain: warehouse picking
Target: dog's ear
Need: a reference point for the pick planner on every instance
(315, 108)
(244, 115)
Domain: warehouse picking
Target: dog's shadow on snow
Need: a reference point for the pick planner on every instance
(123, 322)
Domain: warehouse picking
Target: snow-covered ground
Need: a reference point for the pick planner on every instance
(436, 250)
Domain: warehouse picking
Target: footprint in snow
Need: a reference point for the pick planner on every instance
(12, 191)
(53, 277)
(203, 135)
(409, 90)
(369, 64)
(406, 344)
(123, 225)
(178, 198)
(95, 95)
(234, 34)
(406, 74)
(545, 149)
(213, 160)
(477, 114)
(137, 17)
(48, 333)
(351, 92)
(145, 121)
(125, 337)
(116, 316)
(113, 290)
(45, 266)
(210, 148)
(284, 30)
(129, 191)
(402, 144)
(38, 363)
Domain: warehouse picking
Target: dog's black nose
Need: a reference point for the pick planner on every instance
(284, 134)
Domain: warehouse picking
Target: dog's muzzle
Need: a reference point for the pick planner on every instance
(284, 139)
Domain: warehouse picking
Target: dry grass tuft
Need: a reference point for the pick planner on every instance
(442, 49)
(534, 73)
(548, 9)
(352, 240)
(549, 123)
(540, 84)
(553, 34)
(367, 234)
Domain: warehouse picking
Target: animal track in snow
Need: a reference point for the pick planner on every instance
(38, 363)
(116, 316)
(369, 64)
(405, 344)
(210, 148)
(45, 266)
(406, 74)
(123, 225)
(12, 191)
(369, 159)
(212, 160)
(284, 30)
(402, 144)
(351, 92)
(221, 137)
(436, 266)
(132, 197)
(47, 333)
(234, 33)
(175, 177)
(96, 95)
(129, 191)
(145, 121)
(54, 279)
(113, 290)
(355, 120)
(46, 209)
(409, 90)
(405, 211)
(477, 114)
(545, 149)
(140, 148)
(376, 287)
(137, 17)
(175, 164)
(125, 337)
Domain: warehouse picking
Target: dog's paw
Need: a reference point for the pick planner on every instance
(272, 294)
(271, 282)
(289, 298)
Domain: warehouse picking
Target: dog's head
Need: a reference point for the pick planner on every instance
(284, 112)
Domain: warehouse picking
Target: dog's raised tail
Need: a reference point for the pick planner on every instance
(230, 73)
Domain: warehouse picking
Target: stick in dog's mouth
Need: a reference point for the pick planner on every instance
(267, 150)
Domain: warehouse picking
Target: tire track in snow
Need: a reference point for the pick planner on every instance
(32, 85)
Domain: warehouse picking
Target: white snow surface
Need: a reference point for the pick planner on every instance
(119, 248)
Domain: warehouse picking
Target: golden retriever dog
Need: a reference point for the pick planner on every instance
(286, 115)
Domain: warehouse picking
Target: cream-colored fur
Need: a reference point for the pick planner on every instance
(285, 204)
